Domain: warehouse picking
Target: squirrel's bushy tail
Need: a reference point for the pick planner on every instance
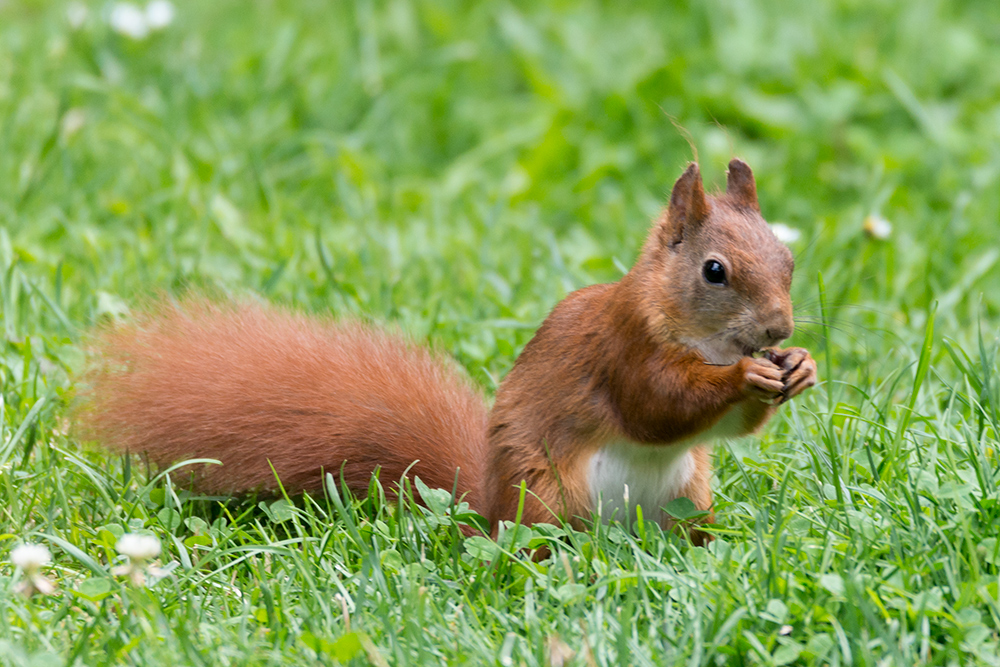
(255, 387)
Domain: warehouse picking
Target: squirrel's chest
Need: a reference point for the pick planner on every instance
(624, 474)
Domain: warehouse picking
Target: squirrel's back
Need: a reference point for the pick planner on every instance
(256, 387)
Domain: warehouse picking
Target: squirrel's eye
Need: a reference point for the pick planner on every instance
(714, 272)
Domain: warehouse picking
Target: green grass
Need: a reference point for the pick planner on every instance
(457, 169)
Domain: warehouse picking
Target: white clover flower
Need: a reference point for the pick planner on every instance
(140, 549)
(877, 227)
(785, 234)
(31, 558)
(128, 19)
(625, 496)
(159, 14)
(76, 14)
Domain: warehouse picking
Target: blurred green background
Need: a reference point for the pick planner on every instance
(461, 167)
(456, 169)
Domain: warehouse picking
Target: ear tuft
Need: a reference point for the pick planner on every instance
(740, 185)
(688, 205)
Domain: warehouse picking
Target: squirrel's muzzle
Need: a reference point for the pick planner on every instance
(777, 325)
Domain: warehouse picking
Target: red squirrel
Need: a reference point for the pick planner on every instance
(614, 402)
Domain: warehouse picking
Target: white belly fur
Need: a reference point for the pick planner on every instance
(655, 474)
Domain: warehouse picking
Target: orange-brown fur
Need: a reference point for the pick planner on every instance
(253, 387)
(615, 364)
(656, 359)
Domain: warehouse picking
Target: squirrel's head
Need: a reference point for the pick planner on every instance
(713, 274)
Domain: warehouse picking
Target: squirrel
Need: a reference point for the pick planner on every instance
(614, 403)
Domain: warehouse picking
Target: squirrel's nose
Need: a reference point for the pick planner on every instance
(779, 327)
(777, 334)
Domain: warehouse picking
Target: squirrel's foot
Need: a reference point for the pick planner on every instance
(798, 370)
(763, 379)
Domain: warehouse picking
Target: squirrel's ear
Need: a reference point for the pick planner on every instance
(740, 185)
(688, 206)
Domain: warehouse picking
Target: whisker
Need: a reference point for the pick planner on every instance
(846, 306)
(840, 326)
(813, 336)
(843, 326)
(833, 319)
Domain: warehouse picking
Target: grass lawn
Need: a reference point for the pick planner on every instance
(455, 169)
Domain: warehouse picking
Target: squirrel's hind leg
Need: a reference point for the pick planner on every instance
(698, 489)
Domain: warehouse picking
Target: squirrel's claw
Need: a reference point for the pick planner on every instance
(799, 370)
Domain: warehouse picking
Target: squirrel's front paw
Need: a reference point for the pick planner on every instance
(798, 370)
(763, 379)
